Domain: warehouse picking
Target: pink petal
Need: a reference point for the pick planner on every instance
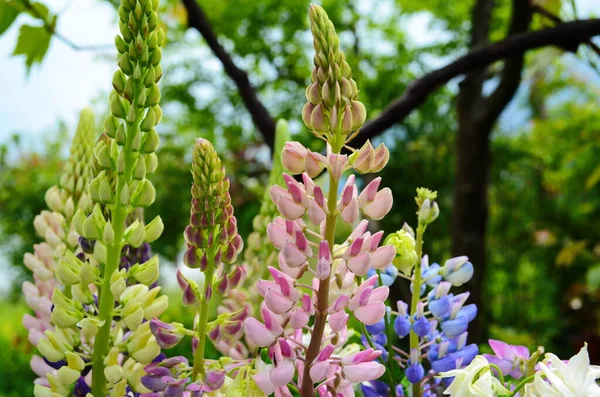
(293, 256)
(263, 381)
(360, 264)
(502, 349)
(283, 373)
(350, 212)
(363, 372)
(383, 256)
(338, 320)
(299, 318)
(289, 208)
(380, 206)
(370, 314)
(319, 371)
(258, 333)
(278, 303)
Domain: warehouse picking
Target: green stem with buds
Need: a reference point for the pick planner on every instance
(416, 294)
(307, 387)
(203, 320)
(113, 259)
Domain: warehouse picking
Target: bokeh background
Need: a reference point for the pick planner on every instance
(531, 224)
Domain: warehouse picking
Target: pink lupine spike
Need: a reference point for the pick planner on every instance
(360, 229)
(380, 206)
(350, 213)
(315, 212)
(383, 256)
(369, 192)
(338, 320)
(293, 256)
(360, 263)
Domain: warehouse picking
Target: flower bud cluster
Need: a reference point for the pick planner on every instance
(105, 291)
(212, 242)
(333, 108)
(57, 230)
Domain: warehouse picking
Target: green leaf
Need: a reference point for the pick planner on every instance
(39, 11)
(33, 42)
(8, 14)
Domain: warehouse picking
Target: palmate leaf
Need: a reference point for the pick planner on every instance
(33, 43)
(8, 14)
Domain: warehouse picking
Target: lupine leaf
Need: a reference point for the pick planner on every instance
(8, 14)
(33, 42)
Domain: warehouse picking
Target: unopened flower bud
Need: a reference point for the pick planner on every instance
(406, 255)
(146, 273)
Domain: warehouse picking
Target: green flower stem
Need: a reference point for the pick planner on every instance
(203, 320)
(113, 258)
(388, 333)
(307, 387)
(522, 384)
(416, 293)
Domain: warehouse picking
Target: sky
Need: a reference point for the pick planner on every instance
(68, 80)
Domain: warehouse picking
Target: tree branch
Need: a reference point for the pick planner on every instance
(510, 78)
(260, 115)
(564, 35)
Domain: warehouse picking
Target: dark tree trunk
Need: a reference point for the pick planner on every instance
(470, 215)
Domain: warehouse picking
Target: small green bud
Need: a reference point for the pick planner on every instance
(125, 32)
(146, 273)
(141, 100)
(74, 361)
(67, 274)
(144, 58)
(138, 11)
(149, 121)
(406, 254)
(65, 318)
(118, 81)
(103, 156)
(153, 41)
(137, 72)
(100, 253)
(110, 125)
(78, 220)
(89, 230)
(137, 140)
(149, 79)
(128, 90)
(144, 26)
(132, 115)
(120, 43)
(121, 137)
(134, 318)
(151, 142)
(160, 37)
(147, 7)
(67, 376)
(125, 64)
(89, 327)
(158, 72)
(156, 56)
(153, 230)
(117, 283)
(88, 273)
(146, 195)
(121, 163)
(154, 5)
(151, 162)
(124, 199)
(82, 294)
(423, 194)
(140, 169)
(117, 108)
(109, 234)
(152, 20)
(123, 16)
(134, 234)
(105, 192)
(69, 208)
(157, 113)
(132, 23)
(114, 373)
(153, 96)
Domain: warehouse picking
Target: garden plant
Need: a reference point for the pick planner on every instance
(304, 311)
